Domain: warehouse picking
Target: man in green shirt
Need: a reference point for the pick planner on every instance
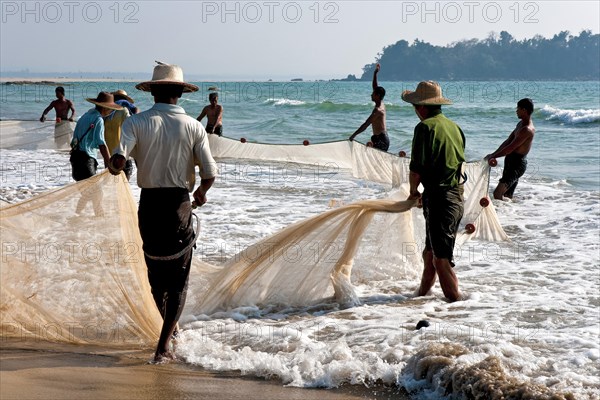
(438, 152)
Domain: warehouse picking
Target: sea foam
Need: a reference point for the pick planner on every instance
(571, 117)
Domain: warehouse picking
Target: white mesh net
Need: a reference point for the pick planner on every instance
(72, 259)
(73, 269)
(34, 135)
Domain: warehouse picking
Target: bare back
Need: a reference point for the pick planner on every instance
(378, 120)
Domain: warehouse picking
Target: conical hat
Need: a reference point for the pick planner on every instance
(166, 74)
(428, 93)
(105, 100)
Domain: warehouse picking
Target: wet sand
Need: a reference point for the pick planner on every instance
(31, 371)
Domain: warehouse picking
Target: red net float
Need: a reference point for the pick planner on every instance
(243, 140)
(484, 202)
(470, 228)
(306, 142)
(402, 153)
(58, 120)
(492, 162)
(369, 144)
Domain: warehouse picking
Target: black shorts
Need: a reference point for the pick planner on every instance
(381, 141)
(515, 166)
(165, 222)
(218, 129)
(82, 165)
(443, 209)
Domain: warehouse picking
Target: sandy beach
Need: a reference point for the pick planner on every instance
(51, 371)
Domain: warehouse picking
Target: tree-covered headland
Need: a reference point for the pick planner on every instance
(498, 57)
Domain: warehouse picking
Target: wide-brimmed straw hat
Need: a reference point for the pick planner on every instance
(123, 94)
(105, 100)
(166, 74)
(428, 93)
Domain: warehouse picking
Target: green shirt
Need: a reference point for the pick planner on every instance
(438, 151)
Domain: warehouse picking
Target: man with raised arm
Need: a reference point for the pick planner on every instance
(515, 148)
(380, 137)
(167, 145)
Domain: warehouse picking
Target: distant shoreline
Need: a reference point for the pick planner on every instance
(53, 81)
(59, 80)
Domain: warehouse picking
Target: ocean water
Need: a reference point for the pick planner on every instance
(532, 313)
(567, 115)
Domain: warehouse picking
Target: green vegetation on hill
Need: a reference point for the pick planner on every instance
(499, 57)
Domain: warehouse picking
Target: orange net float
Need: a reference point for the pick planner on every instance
(306, 142)
(402, 153)
(484, 202)
(470, 228)
(369, 144)
(243, 140)
(492, 162)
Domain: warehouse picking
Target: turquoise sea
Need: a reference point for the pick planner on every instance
(567, 115)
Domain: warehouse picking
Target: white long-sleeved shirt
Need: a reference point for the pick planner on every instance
(166, 144)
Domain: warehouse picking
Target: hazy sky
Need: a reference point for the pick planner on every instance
(258, 39)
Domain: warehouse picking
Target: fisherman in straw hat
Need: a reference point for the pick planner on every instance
(122, 99)
(436, 162)
(167, 144)
(89, 136)
(113, 123)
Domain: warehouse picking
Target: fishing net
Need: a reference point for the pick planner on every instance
(72, 267)
(34, 135)
(314, 258)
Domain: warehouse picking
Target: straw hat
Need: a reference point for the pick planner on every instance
(166, 74)
(428, 93)
(123, 94)
(105, 100)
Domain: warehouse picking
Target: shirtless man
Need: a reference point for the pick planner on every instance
(380, 137)
(61, 106)
(214, 114)
(515, 148)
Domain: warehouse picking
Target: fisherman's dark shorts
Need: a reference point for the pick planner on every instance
(82, 165)
(515, 166)
(218, 129)
(165, 222)
(443, 209)
(381, 141)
